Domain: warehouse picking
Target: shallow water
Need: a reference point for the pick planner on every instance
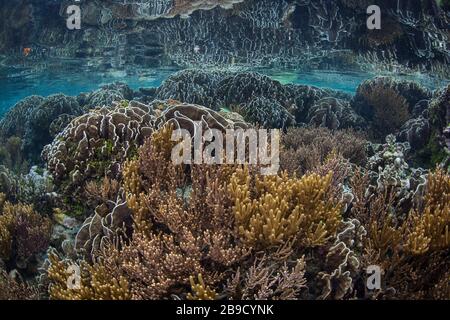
(72, 78)
(17, 83)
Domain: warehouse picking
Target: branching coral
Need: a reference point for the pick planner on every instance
(200, 290)
(178, 228)
(94, 282)
(273, 209)
(268, 280)
(14, 288)
(304, 149)
(23, 233)
(411, 250)
(429, 229)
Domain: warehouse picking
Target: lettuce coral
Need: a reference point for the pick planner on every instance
(97, 143)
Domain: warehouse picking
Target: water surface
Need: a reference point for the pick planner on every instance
(72, 77)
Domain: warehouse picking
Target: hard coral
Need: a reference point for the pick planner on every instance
(333, 113)
(36, 115)
(95, 282)
(274, 209)
(200, 290)
(97, 143)
(178, 228)
(304, 149)
(14, 288)
(23, 233)
(267, 279)
(429, 229)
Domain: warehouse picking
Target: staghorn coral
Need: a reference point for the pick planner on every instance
(186, 220)
(412, 251)
(429, 229)
(200, 290)
(96, 282)
(182, 233)
(273, 209)
(268, 280)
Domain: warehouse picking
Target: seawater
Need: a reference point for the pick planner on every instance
(72, 78)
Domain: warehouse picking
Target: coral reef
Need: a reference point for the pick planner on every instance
(96, 144)
(23, 234)
(31, 119)
(383, 105)
(200, 290)
(259, 99)
(429, 230)
(192, 86)
(14, 288)
(304, 149)
(112, 204)
(105, 96)
(35, 187)
(334, 114)
(274, 210)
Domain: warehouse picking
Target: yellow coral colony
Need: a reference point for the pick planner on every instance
(272, 209)
(96, 283)
(200, 290)
(429, 230)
